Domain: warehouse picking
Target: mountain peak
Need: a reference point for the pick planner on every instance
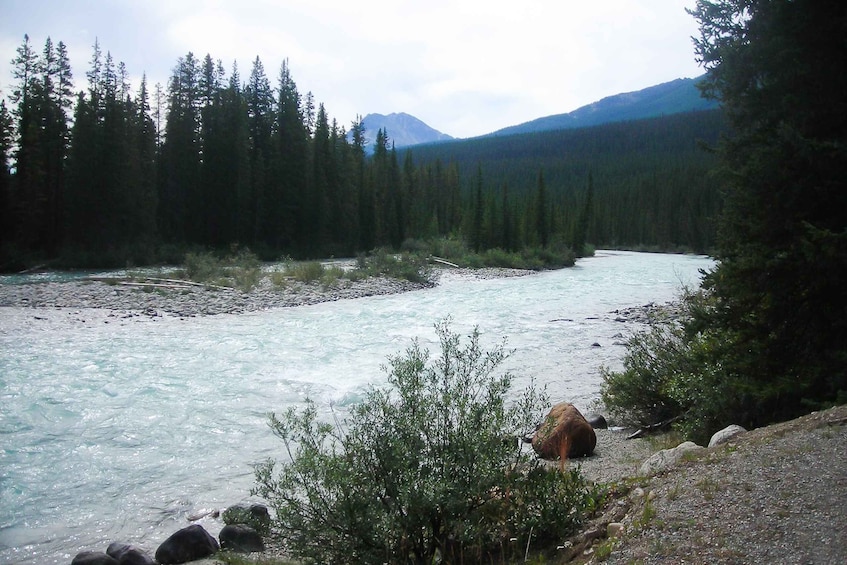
(403, 130)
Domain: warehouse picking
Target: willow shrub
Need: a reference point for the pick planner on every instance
(429, 466)
(679, 368)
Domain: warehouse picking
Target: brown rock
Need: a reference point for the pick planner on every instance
(564, 433)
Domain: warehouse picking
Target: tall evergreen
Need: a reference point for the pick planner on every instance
(179, 186)
(476, 235)
(581, 231)
(260, 116)
(291, 139)
(6, 216)
(542, 217)
(778, 69)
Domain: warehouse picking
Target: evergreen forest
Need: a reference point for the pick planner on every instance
(115, 175)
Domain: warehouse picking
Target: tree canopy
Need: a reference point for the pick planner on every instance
(769, 337)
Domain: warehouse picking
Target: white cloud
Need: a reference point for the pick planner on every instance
(466, 67)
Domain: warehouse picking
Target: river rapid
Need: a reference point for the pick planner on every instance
(118, 428)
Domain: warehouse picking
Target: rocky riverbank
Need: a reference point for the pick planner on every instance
(189, 300)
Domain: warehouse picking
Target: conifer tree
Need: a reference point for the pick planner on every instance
(7, 219)
(542, 219)
(777, 67)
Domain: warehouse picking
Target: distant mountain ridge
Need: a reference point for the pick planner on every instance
(403, 130)
(676, 96)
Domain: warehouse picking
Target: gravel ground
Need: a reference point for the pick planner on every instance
(773, 495)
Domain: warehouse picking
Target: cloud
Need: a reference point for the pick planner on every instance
(466, 67)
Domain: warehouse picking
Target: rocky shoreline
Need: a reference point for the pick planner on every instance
(187, 301)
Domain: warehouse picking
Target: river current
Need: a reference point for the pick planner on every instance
(118, 429)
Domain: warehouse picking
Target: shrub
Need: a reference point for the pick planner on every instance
(679, 368)
(427, 466)
(405, 266)
(241, 269)
(305, 272)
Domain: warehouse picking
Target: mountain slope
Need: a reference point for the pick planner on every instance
(680, 95)
(402, 129)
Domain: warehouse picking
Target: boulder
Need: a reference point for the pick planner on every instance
(254, 515)
(564, 433)
(726, 434)
(663, 459)
(129, 555)
(598, 421)
(188, 544)
(93, 558)
(241, 538)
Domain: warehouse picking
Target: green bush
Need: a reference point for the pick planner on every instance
(309, 271)
(405, 266)
(680, 368)
(428, 467)
(241, 269)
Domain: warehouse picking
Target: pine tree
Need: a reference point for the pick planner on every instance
(179, 191)
(7, 219)
(476, 228)
(542, 219)
(291, 158)
(777, 67)
(581, 231)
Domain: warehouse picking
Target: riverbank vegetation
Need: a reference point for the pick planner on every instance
(427, 469)
(765, 339)
(112, 176)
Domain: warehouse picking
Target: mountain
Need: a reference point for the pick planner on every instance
(403, 130)
(676, 96)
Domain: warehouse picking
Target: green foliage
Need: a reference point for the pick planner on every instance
(405, 266)
(241, 269)
(241, 514)
(429, 465)
(766, 339)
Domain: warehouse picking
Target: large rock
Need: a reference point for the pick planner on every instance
(129, 555)
(93, 558)
(241, 538)
(564, 433)
(187, 544)
(665, 458)
(254, 515)
(726, 434)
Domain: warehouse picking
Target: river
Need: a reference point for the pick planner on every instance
(118, 429)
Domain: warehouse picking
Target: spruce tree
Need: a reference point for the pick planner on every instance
(778, 69)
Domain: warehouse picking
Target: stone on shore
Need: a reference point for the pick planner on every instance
(188, 544)
(254, 515)
(665, 458)
(94, 558)
(564, 433)
(241, 538)
(726, 435)
(127, 554)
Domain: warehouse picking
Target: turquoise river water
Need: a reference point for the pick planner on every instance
(119, 429)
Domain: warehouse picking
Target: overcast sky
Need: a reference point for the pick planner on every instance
(465, 67)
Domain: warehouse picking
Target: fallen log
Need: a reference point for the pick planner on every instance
(653, 428)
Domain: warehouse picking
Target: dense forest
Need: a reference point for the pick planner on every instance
(115, 175)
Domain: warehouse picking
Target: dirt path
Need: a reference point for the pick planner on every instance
(773, 495)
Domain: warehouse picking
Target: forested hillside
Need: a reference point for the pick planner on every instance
(114, 175)
(651, 178)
